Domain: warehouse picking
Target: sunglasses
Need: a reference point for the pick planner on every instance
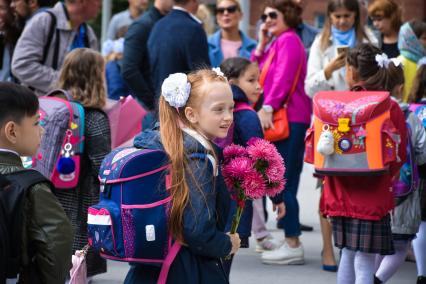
(230, 9)
(272, 15)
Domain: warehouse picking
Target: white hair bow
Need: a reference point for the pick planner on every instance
(218, 71)
(176, 89)
(110, 46)
(383, 60)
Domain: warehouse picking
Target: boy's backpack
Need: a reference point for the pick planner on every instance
(223, 142)
(13, 189)
(352, 134)
(62, 143)
(130, 221)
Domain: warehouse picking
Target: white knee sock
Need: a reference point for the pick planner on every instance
(346, 272)
(419, 246)
(391, 263)
(378, 260)
(364, 267)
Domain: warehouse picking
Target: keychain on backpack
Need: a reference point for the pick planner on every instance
(325, 144)
(66, 164)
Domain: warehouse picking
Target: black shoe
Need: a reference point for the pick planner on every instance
(421, 280)
(377, 280)
(306, 228)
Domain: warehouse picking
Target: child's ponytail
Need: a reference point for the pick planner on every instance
(172, 140)
(172, 118)
(376, 72)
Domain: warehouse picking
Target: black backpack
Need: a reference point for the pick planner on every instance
(13, 190)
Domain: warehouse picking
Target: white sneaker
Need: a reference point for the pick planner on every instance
(284, 255)
(267, 244)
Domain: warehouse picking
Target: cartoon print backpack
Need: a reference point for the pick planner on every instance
(62, 143)
(223, 142)
(130, 221)
(408, 180)
(420, 111)
(352, 134)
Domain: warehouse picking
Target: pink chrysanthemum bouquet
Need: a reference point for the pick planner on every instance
(251, 173)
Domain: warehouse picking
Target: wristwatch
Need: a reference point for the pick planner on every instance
(267, 108)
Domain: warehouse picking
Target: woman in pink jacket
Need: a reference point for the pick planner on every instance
(281, 57)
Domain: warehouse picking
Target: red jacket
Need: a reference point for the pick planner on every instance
(368, 198)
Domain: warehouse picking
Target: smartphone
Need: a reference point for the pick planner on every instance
(342, 49)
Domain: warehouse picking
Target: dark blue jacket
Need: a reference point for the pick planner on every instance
(177, 44)
(215, 48)
(115, 84)
(135, 69)
(246, 126)
(199, 261)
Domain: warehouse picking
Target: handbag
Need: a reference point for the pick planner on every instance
(281, 129)
(125, 117)
(78, 271)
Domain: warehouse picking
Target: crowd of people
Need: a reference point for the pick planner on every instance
(48, 45)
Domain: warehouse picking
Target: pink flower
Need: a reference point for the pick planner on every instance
(233, 151)
(276, 189)
(260, 149)
(238, 168)
(275, 171)
(254, 185)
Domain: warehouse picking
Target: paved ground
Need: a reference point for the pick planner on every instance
(248, 269)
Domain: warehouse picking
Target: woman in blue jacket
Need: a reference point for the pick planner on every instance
(229, 41)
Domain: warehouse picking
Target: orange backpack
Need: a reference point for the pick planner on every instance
(352, 134)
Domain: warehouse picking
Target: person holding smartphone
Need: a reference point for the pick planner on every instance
(342, 30)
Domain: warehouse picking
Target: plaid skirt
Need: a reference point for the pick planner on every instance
(363, 235)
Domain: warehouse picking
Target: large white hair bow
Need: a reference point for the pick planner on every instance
(176, 89)
(383, 60)
(110, 46)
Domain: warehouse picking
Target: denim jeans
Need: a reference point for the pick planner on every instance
(292, 149)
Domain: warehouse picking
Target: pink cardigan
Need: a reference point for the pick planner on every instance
(289, 53)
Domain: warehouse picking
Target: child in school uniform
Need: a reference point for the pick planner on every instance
(359, 207)
(44, 247)
(406, 217)
(243, 75)
(194, 110)
(82, 76)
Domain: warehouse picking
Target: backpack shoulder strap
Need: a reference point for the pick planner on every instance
(52, 29)
(204, 156)
(27, 178)
(60, 92)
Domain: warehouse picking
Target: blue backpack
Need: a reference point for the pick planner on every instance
(130, 221)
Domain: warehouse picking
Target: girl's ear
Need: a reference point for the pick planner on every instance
(351, 75)
(233, 81)
(191, 115)
(10, 130)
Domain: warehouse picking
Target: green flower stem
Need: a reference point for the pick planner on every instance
(236, 220)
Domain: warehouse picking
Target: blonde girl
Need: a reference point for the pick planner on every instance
(82, 76)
